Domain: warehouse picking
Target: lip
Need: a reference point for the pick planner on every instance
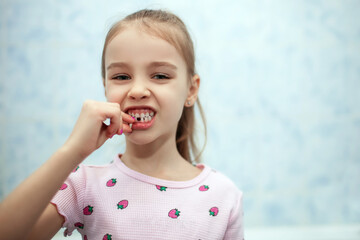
(143, 125)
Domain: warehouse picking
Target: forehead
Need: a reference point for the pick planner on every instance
(135, 46)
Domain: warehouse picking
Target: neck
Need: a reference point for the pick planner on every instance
(153, 158)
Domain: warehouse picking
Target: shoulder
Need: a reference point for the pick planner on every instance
(222, 184)
(86, 174)
(86, 170)
(221, 179)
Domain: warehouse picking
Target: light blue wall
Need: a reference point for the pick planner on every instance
(280, 87)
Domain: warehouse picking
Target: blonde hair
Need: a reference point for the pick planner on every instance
(172, 29)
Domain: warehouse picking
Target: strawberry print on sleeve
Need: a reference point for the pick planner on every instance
(63, 187)
(107, 237)
(79, 225)
(75, 169)
(69, 201)
(88, 210)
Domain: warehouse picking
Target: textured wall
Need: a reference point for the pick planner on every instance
(280, 87)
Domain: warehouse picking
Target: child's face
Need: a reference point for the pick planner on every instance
(147, 72)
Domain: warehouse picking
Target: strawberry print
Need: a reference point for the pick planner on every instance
(123, 204)
(64, 186)
(79, 225)
(203, 188)
(88, 210)
(161, 188)
(214, 211)
(107, 237)
(111, 182)
(75, 169)
(174, 213)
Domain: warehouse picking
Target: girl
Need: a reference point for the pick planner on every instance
(151, 191)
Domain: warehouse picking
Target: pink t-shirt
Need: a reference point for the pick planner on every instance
(116, 202)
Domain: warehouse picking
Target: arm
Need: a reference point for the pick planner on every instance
(47, 225)
(21, 210)
(235, 229)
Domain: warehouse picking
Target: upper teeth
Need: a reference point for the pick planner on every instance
(142, 117)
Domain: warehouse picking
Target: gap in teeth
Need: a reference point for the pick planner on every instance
(142, 115)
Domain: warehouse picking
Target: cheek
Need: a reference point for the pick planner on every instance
(173, 105)
(114, 94)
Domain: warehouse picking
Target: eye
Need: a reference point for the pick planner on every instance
(161, 76)
(121, 77)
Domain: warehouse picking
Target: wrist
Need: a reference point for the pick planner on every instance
(71, 154)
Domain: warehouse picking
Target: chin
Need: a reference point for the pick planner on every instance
(140, 138)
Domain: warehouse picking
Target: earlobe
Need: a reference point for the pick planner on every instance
(188, 103)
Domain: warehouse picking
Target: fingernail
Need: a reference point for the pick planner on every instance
(130, 125)
(121, 131)
(133, 118)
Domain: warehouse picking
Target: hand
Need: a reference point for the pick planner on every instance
(90, 132)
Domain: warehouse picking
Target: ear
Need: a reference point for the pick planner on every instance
(193, 91)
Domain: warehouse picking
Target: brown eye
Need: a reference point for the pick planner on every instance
(121, 77)
(161, 76)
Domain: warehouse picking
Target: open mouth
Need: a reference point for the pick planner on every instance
(142, 115)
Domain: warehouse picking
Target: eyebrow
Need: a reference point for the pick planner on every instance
(151, 65)
(163, 64)
(117, 64)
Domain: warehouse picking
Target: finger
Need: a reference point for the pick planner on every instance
(115, 121)
(127, 128)
(127, 118)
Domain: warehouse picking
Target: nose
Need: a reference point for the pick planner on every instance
(138, 90)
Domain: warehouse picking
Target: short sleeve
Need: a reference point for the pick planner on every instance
(69, 200)
(235, 229)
